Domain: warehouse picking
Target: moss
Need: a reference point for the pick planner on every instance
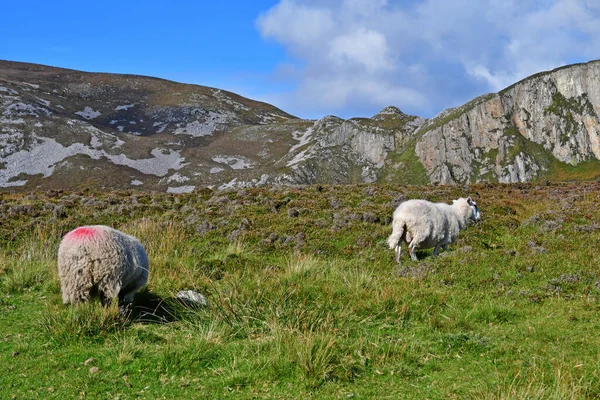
(551, 168)
(565, 108)
(488, 161)
(520, 144)
(491, 155)
(404, 168)
(579, 105)
(489, 176)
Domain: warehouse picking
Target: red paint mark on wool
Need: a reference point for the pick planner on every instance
(83, 232)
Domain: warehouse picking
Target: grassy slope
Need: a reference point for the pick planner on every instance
(306, 300)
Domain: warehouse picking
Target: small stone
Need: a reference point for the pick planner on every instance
(94, 370)
(89, 361)
(192, 298)
(15, 353)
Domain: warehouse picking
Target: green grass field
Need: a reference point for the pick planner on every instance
(306, 300)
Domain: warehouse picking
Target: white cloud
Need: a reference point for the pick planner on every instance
(362, 47)
(295, 25)
(349, 56)
(496, 81)
(335, 91)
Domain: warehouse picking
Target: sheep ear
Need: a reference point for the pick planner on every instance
(469, 200)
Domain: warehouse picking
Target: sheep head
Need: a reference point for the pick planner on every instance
(475, 213)
(468, 208)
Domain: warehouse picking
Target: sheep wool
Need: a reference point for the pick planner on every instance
(422, 224)
(101, 260)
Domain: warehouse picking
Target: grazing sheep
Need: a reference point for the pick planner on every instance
(423, 224)
(99, 259)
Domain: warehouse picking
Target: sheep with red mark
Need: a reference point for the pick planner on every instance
(422, 224)
(100, 260)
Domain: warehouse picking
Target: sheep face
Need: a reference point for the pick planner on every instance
(475, 214)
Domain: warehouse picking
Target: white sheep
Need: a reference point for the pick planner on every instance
(101, 260)
(423, 224)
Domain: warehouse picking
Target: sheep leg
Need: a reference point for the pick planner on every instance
(126, 296)
(445, 247)
(104, 300)
(413, 254)
(398, 248)
(412, 248)
(125, 300)
(437, 249)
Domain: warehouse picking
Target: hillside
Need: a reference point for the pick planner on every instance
(61, 128)
(546, 126)
(306, 298)
(64, 128)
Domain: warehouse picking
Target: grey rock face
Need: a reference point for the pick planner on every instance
(354, 150)
(512, 136)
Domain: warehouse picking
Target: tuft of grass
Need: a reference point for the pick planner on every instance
(24, 276)
(237, 249)
(83, 321)
(302, 264)
(538, 383)
(316, 357)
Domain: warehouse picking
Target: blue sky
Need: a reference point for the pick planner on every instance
(312, 58)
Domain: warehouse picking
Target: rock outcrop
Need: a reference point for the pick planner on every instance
(516, 134)
(349, 151)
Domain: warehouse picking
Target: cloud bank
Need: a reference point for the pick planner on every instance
(354, 57)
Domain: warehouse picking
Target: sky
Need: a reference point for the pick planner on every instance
(312, 58)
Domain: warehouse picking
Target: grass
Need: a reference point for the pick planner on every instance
(310, 304)
(405, 167)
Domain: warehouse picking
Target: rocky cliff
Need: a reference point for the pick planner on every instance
(70, 129)
(334, 150)
(546, 122)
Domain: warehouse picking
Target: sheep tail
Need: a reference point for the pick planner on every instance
(398, 228)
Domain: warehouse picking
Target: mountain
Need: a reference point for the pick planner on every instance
(62, 128)
(545, 126)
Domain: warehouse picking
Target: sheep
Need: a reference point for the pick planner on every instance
(98, 259)
(423, 224)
